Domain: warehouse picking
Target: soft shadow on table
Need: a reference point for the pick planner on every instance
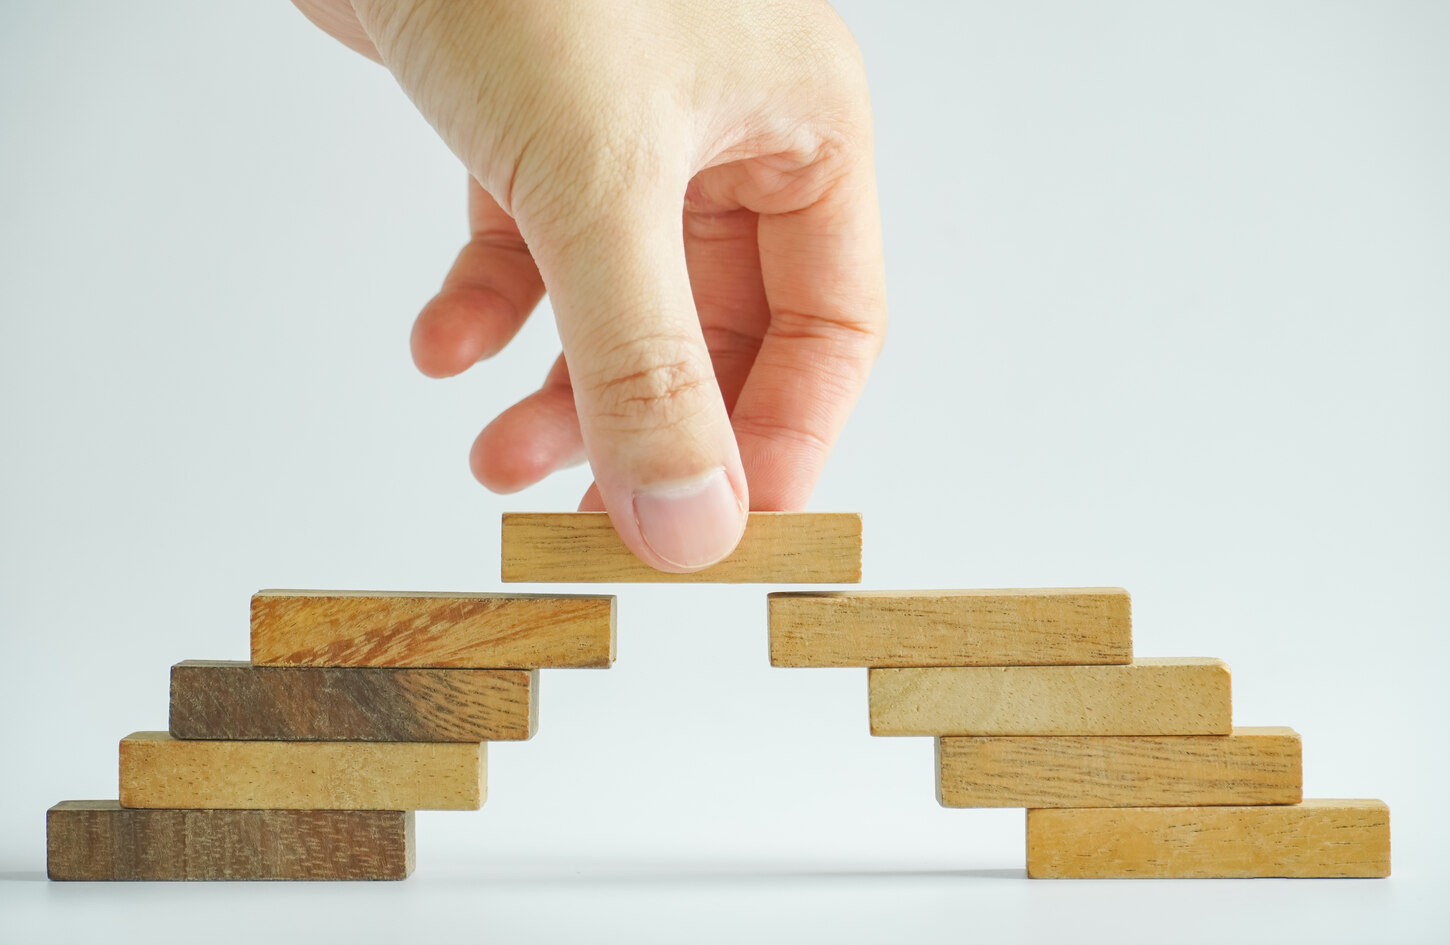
(22, 876)
(665, 873)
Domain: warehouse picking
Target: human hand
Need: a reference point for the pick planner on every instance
(693, 182)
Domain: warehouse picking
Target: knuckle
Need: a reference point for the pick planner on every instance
(797, 434)
(850, 338)
(649, 384)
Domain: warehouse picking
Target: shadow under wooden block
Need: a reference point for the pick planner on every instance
(1040, 626)
(1253, 766)
(414, 629)
(1187, 696)
(1318, 838)
(237, 700)
(777, 548)
(100, 840)
(160, 771)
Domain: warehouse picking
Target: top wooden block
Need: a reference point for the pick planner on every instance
(473, 631)
(777, 548)
(1041, 626)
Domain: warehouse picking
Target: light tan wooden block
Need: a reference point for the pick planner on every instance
(1039, 626)
(1315, 838)
(1251, 766)
(476, 631)
(777, 548)
(1146, 697)
(160, 771)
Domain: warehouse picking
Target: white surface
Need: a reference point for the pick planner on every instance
(1170, 304)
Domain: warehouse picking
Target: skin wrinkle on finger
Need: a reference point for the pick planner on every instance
(770, 430)
(650, 400)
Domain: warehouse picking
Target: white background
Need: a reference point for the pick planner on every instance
(1170, 302)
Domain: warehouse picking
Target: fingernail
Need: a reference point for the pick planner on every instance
(691, 524)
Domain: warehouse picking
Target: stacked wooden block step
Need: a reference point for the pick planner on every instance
(307, 762)
(1127, 767)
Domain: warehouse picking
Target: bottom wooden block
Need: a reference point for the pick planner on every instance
(1312, 839)
(101, 840)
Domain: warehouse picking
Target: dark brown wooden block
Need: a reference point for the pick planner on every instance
(237, 700)
(101, 840)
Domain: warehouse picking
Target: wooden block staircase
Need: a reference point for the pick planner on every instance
(358, 708)
(307, 762)
(1128, 767)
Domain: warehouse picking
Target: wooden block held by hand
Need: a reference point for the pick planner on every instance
(101, 840)
(236, 700)
(1040, 626)
(477, 631)
(777, 548)
(1312, 839)
(160, 771)
(1146, 697)
(1251, 766)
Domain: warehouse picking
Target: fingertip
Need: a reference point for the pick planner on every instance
(527, 442)
(507, 470)
(452, 333)
(592, 501)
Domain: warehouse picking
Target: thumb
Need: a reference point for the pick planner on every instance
(653, 421)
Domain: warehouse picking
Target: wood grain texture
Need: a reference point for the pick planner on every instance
(236, 700)
(160, 771)
(476, 631)
(1315, 838)
(1251, 766)
(1041, 626)
(777, 548)
(100, 840)
(1146, 697)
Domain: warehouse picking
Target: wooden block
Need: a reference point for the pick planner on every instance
(1145, 697)
(232, 700)
(477, 631)
(101, 840)
(777, 548)
(1251, 766)
(951, 628)
(160, 771)
(1315, 838)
